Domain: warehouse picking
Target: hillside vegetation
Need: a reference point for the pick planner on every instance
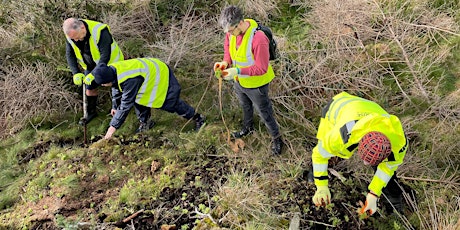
(402, 54)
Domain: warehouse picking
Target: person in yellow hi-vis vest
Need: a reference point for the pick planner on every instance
(144, 83)
(352, 124)
(88, 44)
(246, 62)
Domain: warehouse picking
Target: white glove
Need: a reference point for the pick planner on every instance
(220, 65)
(370, 206)
(229, 74)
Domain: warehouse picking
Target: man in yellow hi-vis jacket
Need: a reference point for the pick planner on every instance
(348, 124)
(89, 43)
(142, 83)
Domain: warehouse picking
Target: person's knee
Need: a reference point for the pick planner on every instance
(91, 92)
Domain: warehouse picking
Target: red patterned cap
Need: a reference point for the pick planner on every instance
(374, 147)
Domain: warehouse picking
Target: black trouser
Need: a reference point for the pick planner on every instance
(392, 194)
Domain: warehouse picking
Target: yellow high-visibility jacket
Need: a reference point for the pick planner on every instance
(153, 91)
(95, 28)
(243, 57)
(343, 123)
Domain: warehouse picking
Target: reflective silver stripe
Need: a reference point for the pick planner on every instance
(382, 176)
(112, 49)
(320, 167)
(134, 71)
(146, 82)
(93, 33)
(243, 76)
(342, 105)
(73, 45)
(392, 166)
(249, 59)
(334, 102)
(350, 125)
(324, 153)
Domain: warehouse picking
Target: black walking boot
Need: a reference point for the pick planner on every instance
(243, 132)
(277, 146)
(199, 121)
(145, 126)
(91, 110)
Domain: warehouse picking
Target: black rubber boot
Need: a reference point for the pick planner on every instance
(243, 132)
(277, 146)
(145, 126)
(199, 121)
(91, 109)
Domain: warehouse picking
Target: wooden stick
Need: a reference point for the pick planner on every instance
(133, 216)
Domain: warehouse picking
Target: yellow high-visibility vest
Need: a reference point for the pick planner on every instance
(346, 121)
(243, 57)
(153, 91)
(95, 28)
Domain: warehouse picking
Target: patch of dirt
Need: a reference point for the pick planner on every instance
(175, 208)
(38, 149)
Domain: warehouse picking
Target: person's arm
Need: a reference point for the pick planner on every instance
(227, 57)
(71, 58)
(385, 171)
(116, 97)
(260, 50)
(104, 45)
(128, 98)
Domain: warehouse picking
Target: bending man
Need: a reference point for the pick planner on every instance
(88, 44)
(348, 124)
(144, 83)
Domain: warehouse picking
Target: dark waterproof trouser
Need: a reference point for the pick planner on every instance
(257, 98)
(172, 104)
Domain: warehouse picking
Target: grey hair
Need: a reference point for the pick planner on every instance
(230, 16)
(71, 24)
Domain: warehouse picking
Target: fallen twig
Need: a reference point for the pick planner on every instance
(429, 180)
(133, 216)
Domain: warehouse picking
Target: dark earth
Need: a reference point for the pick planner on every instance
(340, 215)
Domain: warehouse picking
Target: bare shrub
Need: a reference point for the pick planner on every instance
(31, 91)
(191, 38)
(140, 21)
(384, 34)
(259, 9)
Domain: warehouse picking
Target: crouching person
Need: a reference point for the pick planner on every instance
(352, 124)
(144, 83)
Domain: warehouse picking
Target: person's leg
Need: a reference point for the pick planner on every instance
(143, 114)
(263, 106)
(393, 198)
(91, 101)
(248, 110)
(174, 104)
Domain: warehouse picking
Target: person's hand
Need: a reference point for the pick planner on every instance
(220, 65)
(322, 196)
(112, 112)
(370, 207)
(88, 79)
(78, 79)
(110, 132)
(229, 74)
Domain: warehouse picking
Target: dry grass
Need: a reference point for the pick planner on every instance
(260, 9)
(190, 38)
(29, 92)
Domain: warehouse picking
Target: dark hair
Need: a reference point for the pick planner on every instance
(103, 74)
